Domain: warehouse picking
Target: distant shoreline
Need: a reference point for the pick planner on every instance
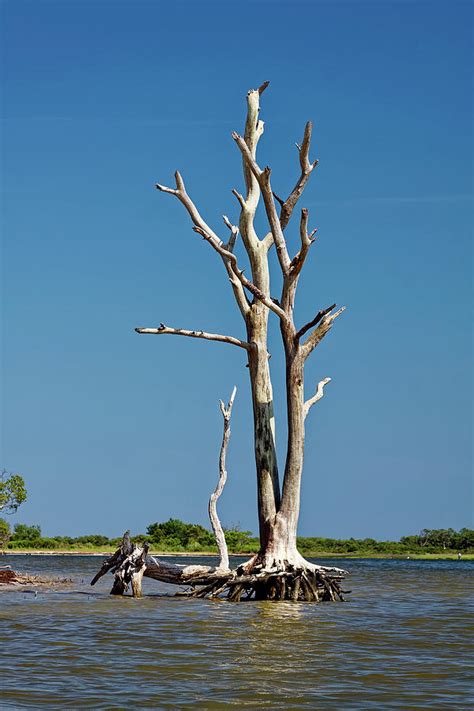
(200, 554)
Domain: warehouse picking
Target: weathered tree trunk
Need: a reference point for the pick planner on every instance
(268, 485)
(277, 571)
(280, 549)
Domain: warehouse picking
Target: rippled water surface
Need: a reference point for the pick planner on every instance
(403, 641)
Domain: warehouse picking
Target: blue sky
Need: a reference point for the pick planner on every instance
(103, 99)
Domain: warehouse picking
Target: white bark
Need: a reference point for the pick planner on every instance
(316, 336)
(165, 330)
(263, 179)
(317, 396)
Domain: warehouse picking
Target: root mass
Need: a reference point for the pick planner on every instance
(302, 582)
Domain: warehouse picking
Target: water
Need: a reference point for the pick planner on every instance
(402, 642)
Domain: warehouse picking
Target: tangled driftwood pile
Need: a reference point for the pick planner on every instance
(131, 562)
(11, 577)
(7, 576)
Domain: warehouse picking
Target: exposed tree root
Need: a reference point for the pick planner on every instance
(301, 582)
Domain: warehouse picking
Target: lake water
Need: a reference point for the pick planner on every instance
(402, 642)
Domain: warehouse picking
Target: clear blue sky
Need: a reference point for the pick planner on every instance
(101, 100)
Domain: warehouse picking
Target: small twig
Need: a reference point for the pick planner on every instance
(317, 396)
(234, 231)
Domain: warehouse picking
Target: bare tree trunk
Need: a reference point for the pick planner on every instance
(268, 486)
(281, 547)
(278, 547)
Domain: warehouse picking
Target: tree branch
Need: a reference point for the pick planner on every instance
(252, 133)
(215, 522)
(234, 231)
(113, 561)
(240, 198)
(319, 332)
(237, 286)
(315, 321)
(290, 280)
(263, 179)
(258, 293)
(165, 330)
(183, 197)
(197, 220)
(306, 241)
(306, 170)
(317, 396)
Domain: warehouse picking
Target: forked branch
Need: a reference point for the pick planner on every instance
(212, 238)
(236, 275)
(315, 321)
(307, 168)
(215, 522)
(306, 242)
(316, 336)
(165, 330)
(250, 286)
(234, 231)
(263, 179)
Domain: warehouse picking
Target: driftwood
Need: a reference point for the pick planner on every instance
(9, 577)
(132, 562)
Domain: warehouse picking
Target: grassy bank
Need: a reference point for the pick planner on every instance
(175, 537)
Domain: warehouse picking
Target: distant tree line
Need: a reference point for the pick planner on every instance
(176, 536)
(445, 538)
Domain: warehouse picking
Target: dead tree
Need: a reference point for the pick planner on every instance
(277, 571)
(215, 522)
